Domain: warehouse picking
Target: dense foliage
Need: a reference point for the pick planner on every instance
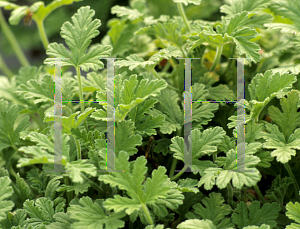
(149, 118)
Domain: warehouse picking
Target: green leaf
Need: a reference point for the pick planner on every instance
(188, 185)
(78, 38)
(279, 189)
(22, 189)
(5, 192)
(239, 178)
(254, 215)
(156, 190)
(8, 5)
(70, 122)
(196, 224)
(119, 36)
(237, 6)
(293, 212)
(61, 221)
(169, 31)
(17, 14)
(233, 29)
(186, 2)
(41, 211)
(264, 87)
(76, 168)
(214, 210)
(9, 131)
(39, 91)
(289, 118)
(92, 215)
(41, 12)
(284, 149)
(131, 14)
(131, 93)
(287, 9)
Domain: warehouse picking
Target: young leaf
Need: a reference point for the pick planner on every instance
(131, 14)
(93, 216)
(78, 37)
(254, 215)
(5, 192)
(155, 190)
(293, 212)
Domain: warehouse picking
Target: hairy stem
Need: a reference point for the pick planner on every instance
(4, 68)
(180, 173)
(147, 213)
(42, 33)
(296, 186)
(260, 195)
(182, 13)
(217, 58)
(12, 40)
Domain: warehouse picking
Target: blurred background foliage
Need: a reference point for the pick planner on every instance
(28, 37)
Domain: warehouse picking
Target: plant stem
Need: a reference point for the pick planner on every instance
(12, 40)
(180, 173)
(217, 58)
(42, 33)
(152, 70)
(260, 195)
(147, 213)
(4, 68)
(182, 13)
(173, 166)
(78, 149)
(230, 195)
(296, 186)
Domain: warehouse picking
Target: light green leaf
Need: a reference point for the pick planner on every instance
(78, 38)
(17, 14)
(186, 2)
(293, 212)
(62, 221)
(5, 192)
(131, 14)
(93, 216)
(188, 185)
(76, 168)
(236, 6)
(156, 190)
(284, 149)
(8, 5)
(254, 215)
(196, 224)
(39, 91)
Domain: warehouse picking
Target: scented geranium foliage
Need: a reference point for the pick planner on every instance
(152, 185)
